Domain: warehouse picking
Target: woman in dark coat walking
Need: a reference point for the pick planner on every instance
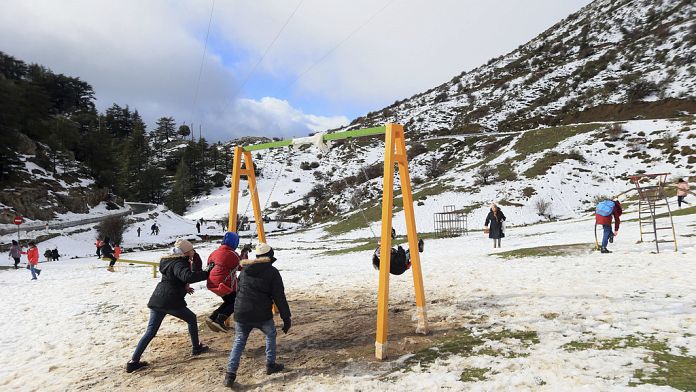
(495, 218)
(168, 299)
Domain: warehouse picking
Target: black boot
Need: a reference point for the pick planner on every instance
(133, 366)
(217, 324)
(605, 250)
(274, 368)
(229, 379)
(200, 349)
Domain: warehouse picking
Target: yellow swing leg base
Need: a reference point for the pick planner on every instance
(422, 321)
(381, 350)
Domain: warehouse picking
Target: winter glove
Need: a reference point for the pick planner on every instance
(286, 325)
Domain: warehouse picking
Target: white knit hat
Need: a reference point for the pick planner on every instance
(183, 245)
(262, 249)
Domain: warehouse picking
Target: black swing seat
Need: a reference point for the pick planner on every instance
(398, 263)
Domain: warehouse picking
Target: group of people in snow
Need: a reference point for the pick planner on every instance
(16, 252)
(249, 297)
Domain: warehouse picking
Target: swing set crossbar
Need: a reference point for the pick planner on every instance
(326, 137)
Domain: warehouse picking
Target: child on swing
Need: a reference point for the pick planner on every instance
(399, 260)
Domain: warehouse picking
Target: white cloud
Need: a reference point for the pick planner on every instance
(147, 53)
(270, 117)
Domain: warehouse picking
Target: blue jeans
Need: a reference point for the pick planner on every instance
(607, 234)
(242, 332)
(33, 271)
(153, 325)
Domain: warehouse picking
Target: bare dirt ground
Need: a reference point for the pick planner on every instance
(329, 335)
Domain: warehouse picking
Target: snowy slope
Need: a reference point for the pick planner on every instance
(610, 52)
(96, 318)
(569, 185)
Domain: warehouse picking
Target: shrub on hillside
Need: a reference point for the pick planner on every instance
(416, 149)
(640, 89)
(484, 174)
(112, 227)
(543, 208)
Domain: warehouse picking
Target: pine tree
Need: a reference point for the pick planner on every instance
(177, 201)
(163, 133)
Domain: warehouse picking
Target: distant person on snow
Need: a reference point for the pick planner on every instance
(138, 231)
(198, 227)
(33, 260)
(99, 244)
(15, 253)
(682, 191)
(54, 254)
(108, 253)
(495, 219)
(399, 259)
(48, 255)
(606, 209)
(260, 286)
(153, 229)
(223, 265)
(168, 299)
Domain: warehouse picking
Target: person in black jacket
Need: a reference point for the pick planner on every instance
(495, 218)
(168, 298)
(107, 252)
(260, 285)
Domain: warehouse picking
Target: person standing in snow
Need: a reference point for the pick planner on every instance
(682, 191)
(54, 254)
(153, 229)
(33, 260)
(168, 299)
(223, 264)
(198, 227)
(606, 210)
(138, 231)
(108, 253)
(260, 286)
(48, 255)
(495, 219)
(99, 244)
(15, 253)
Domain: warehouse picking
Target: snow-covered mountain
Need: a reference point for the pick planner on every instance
(562, 120)
(612, 60)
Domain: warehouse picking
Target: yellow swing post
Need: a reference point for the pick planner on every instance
(395, 152)
(237, 172)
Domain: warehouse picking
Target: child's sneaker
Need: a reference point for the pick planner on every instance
(216, 325)
(38, 271)
(229, 379)
(110, 269)
(133, 366)
(274, 368)
(200, 349)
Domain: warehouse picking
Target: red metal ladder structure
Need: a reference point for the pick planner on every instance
(653, 208)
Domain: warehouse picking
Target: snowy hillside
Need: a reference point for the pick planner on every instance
(566, 166)
(612, 60)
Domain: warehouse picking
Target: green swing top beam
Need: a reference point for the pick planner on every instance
(327, 137)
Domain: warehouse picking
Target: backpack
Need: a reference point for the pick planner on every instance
(605, 207)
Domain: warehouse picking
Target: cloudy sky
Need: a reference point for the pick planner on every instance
(275, 68)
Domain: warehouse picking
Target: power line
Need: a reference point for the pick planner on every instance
(200, 69)
(268, 48)
(343, 41)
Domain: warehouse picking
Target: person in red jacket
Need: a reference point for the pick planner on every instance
(223, 265)
(603, 216)
(33, 257)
